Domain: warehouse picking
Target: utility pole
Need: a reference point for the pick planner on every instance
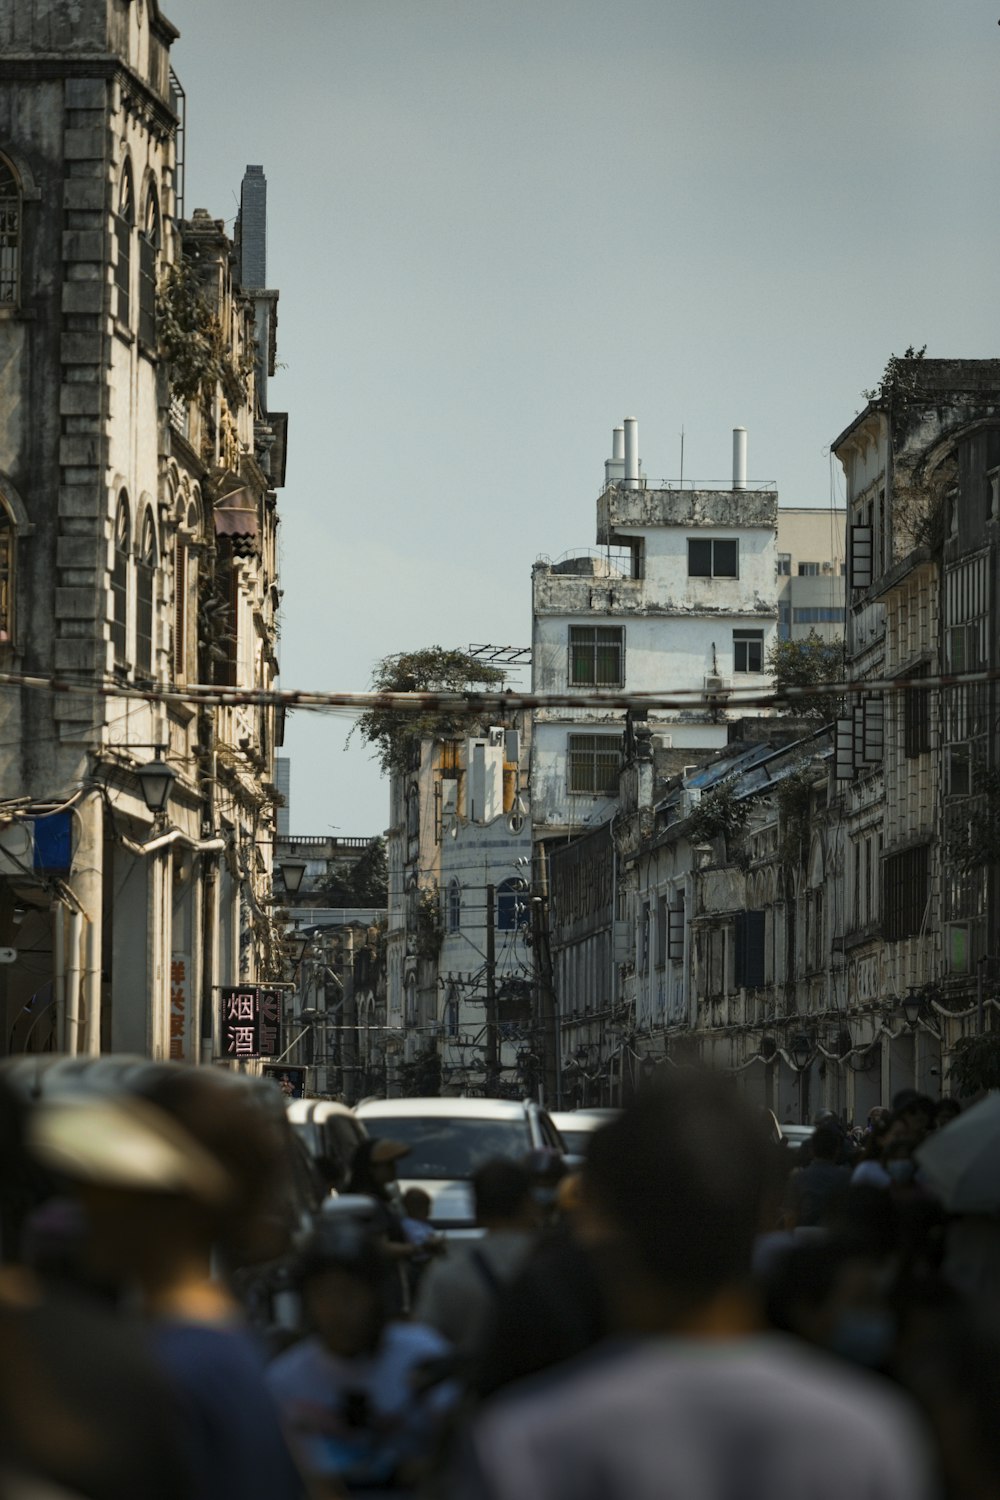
(548, 1024)
(492, 1050)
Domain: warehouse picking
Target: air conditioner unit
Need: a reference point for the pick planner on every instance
(716, 684)
(663, 741)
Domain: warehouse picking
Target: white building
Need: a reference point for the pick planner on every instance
(682, 598)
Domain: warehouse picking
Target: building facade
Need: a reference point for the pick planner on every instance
(138, 473)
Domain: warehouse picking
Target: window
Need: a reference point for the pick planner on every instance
(748, 650)
(119, 584)
(959, 771)
(454, 915)
(124, 222)
(593, 763)
(904, 893)
(784, 621)
(819, 615)
(809, 570)
(959, 960)
(149, 248)
(784, 564)
(6, 576)
(10, 236)
(916, 716)
(596, 655)
(510, 908)
(711, 557)
(992, 494)
(144, 587)
(661, 931)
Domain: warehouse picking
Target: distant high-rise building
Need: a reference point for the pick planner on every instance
(283, 781)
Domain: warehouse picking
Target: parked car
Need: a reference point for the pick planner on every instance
(449, 1139)
(795, 1136)
(331, 1133)
(576, 1126)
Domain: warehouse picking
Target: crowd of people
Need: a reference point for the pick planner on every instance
(699, 1313)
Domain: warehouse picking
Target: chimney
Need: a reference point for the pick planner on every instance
(631, 453)
(739, 458)
(614, 467)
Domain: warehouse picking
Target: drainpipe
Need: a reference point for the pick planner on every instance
(72, 1008)
(59, 970)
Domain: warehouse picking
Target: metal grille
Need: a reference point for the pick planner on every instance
(596, 654)
(593, 763)
(10, 236)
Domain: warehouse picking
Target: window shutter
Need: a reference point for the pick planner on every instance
(180, 612)
(845, 750)
(861, 557)
(675, 934)
(750, 950)
(874, 730)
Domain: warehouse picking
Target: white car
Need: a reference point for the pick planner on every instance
(576, 1126)
(449, 1139)
(331, 1133)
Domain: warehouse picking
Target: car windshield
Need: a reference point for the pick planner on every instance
(576, 1141)
(447, 1148)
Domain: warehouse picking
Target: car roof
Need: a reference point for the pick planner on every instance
(302, 1111)
(583, 1119)
(461, 1109)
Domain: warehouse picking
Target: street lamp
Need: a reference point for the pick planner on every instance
(912, 1006)
(155, 781)
(800, 1051)
(292, 872)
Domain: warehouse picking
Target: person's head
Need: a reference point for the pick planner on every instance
(826, 1142)
(917, 1114)
(945, 1111)
(546, 1169)
(374, 1166)
(677, 1186)
(417, 1203)
(502, 1191)
(190, 1164)
(341, 1275)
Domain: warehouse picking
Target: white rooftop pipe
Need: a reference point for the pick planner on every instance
(739, 458)
(614, 467)
(631, 453)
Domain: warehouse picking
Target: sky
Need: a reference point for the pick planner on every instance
(498, 229)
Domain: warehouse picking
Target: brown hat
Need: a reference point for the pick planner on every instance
(387, 1150)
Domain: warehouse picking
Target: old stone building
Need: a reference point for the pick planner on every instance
(460, 971)
(138, 469)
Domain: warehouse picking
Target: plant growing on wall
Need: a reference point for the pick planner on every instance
(898, 385)
(188, 333)
(364, 883)
(430, 926)
(975, 843)
(975, 1064)
(719, 814)
(793, 799)
(812, 663)
(394, 732)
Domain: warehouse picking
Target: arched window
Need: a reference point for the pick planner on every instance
(149, 249)
(185, 597)
(454, 906)
(119, 583)
(124, 224)
(509, 896)
(10, 236)
(6, 576)
(144, 584)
